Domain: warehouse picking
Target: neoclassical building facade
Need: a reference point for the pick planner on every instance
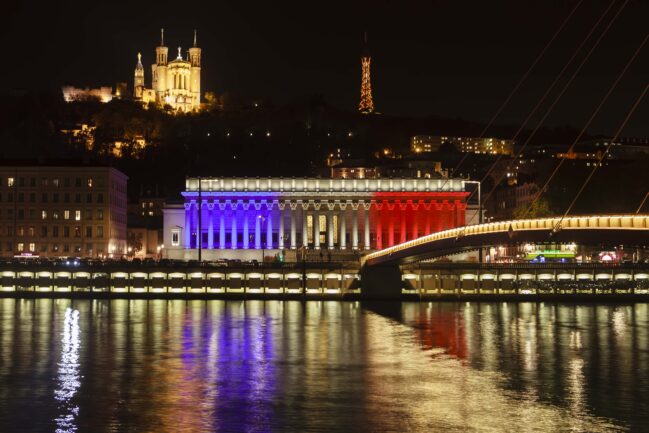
(176, 83)
(235, 217)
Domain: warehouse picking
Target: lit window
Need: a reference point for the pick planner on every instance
(90, 182)
(21, 247)
(43, 214)
(10, 182)
(55, 182)
(77, 215)
(175, 237)
(66, 214)
(32, 247)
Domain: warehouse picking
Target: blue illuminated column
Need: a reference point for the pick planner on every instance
(246, 230)
(222, 228)
(280, 236)
(257, 231)
(194, 224)
(195, 231)
(234, 227)
(269, 231)
(188, 225)
(210, 226)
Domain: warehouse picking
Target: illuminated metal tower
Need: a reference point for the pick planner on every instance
(366, 105)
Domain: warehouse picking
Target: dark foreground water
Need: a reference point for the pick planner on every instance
(255, 366)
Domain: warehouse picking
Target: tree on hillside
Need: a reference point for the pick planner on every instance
(540, 208)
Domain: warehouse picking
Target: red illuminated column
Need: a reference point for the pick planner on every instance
(438, 217)
(403, 214)
(428, 210)
(415, 220)
(379, 229)
(444, 216)
(390, 224)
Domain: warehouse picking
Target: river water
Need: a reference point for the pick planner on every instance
(286, 366)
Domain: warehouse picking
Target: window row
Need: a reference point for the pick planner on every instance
(78, 182)
(56, 231)
(55, 197)
(32, 247)
(44, 214)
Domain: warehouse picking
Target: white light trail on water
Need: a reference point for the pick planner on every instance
(68, 378)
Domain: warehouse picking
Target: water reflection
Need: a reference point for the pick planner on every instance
(68, 377)
(206, 366)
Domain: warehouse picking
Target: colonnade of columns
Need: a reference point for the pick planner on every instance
(399, 221)
(334, 224)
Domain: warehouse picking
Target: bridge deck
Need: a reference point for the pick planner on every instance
(609, 230)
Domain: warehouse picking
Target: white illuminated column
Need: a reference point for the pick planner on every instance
(367, 228)
(305, 229)
(330, 230)
(318, 229)
(355, 217)
(293, 230)
(342, 241)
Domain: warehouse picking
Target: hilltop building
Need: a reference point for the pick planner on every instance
(176, 83)
(102, 94)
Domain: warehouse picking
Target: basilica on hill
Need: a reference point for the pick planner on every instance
(176, 83)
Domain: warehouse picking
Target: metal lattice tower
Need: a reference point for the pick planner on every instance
(366, 105)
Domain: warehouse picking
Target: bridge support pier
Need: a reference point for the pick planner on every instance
(381, 282)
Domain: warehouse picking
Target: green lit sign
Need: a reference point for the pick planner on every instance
(550, 254)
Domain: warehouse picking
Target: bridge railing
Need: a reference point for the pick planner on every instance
(622, 222)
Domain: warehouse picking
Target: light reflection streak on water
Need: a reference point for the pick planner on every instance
(455, 397)
(68, 378)
(193, 366)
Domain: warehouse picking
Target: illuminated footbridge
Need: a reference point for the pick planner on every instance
(592, 230)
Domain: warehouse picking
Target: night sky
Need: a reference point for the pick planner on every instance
(445, 58)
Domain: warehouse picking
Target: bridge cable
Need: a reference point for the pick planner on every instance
(603, 155)
(590, 120)
(642, 202)
(556, 99)
(517, 86)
